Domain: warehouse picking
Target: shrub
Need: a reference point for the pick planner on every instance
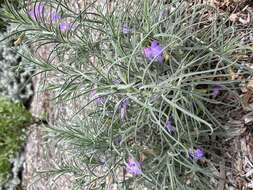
(155, 73)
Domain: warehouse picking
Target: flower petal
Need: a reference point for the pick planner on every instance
(197, 154)
(55, 16)
(65, 26)
(154, 44)
(148, 53)
(216, 91)
(133, 167)
(37, 12)
(126, 29)
(169, 127)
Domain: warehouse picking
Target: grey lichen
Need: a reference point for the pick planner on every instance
(15, 81)
(16, 84)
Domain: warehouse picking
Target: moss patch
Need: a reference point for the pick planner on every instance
(13, 118)
(2, 23)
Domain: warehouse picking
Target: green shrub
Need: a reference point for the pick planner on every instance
(13, 119)
(3, 24)
(154, 114)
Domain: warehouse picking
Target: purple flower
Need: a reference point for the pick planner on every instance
(155, 52)
(98, 100)
(216, 90)
(126, 29)
(123, 109)
(64, 26)
(169, 127)
(197, 154)
(116, 81)
(54, 16)
(133, 167)
(37, 11)
(148, 53)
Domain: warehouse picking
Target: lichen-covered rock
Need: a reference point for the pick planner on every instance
(16, 84)
(15, 81)
(13, 120)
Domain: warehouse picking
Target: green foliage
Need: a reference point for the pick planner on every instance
(13, 118)
(3, 24)
(95, 55)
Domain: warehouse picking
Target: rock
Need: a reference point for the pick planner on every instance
(15, 81)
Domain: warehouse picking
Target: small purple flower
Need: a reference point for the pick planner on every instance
(64, 26)
(169, 127)
(123, 109)
(133, 167)
(126, 29)
(37, 11)
(155, 51)
(98, 100)
(54, 16)
(216, 90)
(148, 53)
(116, 81)
(197, 154)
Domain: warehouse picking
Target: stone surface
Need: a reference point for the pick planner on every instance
(15, 81)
